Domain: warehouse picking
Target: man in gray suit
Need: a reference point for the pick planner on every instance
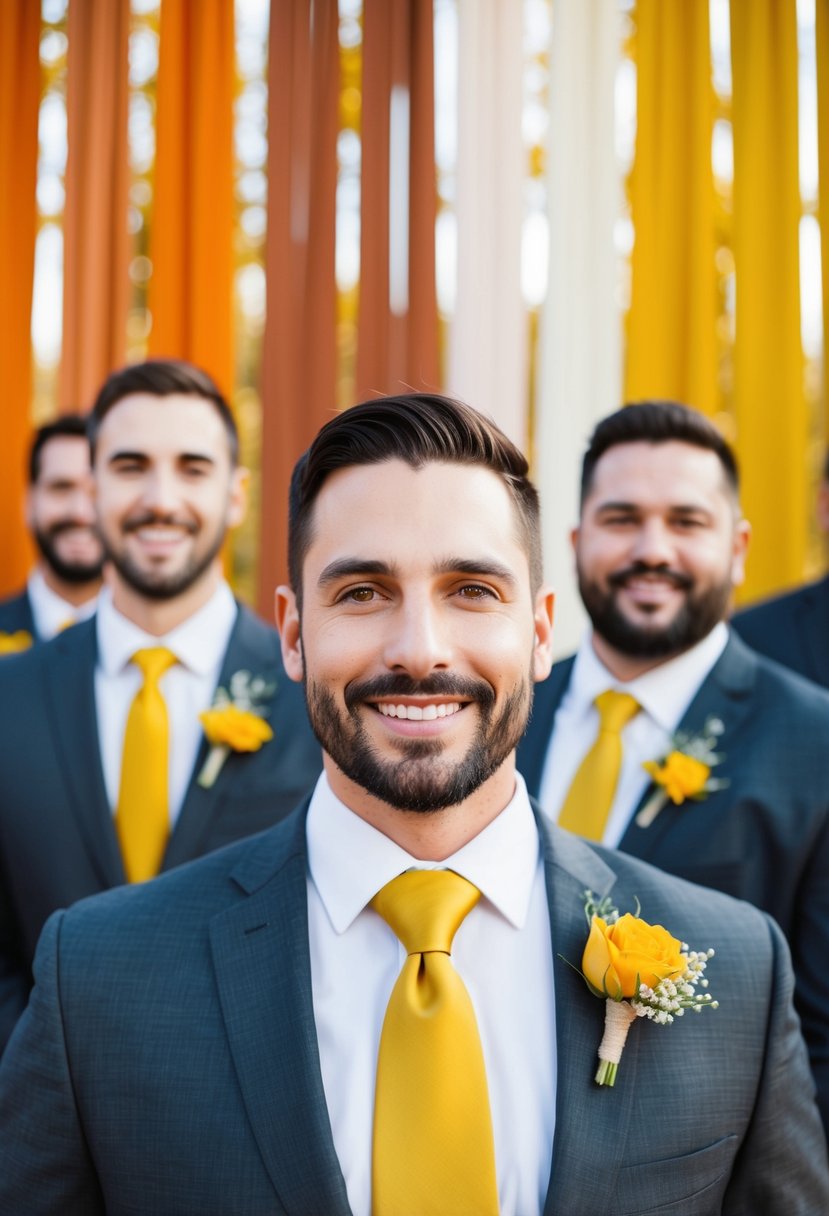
(209, 1043)
(661, 543)
(168, 485)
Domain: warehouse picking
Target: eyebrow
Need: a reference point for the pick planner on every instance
(688, 508)
(126, 454)
(363, 567)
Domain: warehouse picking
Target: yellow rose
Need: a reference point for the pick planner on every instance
(235, 728)
(13, 643)
(680, 776)
(618, 956)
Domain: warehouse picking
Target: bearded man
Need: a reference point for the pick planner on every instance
(106, 773)
(665, 736)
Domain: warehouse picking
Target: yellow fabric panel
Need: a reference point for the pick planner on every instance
(770, 407)
(822, 35)
(672, 339)
(19, 101)
(191, 242)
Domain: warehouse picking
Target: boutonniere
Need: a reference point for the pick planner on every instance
(685, 771)
(235, 722)
(13, 643)
(640, 971)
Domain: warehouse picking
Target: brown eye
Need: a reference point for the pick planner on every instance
(361, 595)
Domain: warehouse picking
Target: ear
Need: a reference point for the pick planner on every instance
(288, 624)
(28, 510)
(739, 552)
(237, 504)
(543, 646)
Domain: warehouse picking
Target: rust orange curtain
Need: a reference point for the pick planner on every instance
(96, 242)
(770, 406)
(299, 356)
(191, 243)
(398, 326)
(672, 335)
(19, 101)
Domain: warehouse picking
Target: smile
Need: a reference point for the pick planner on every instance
(419, 713)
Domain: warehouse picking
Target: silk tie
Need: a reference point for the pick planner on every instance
(433, 1151)
(143, 817)
(590, 797)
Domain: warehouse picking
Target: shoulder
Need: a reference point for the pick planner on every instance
(15, 613)
(757, 619)
(742, 671)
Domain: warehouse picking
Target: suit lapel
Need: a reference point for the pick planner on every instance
(591, 1121)
(263, 970)
(250, 649)
(726, 693)
(532, 750)
(69, 673)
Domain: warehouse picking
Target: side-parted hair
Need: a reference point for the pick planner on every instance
(68, 426)
(161, 378)
(417, 428)
(657, 422)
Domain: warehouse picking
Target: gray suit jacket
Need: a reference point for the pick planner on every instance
(57, 838)
(763, 838)
(168, 1060)
(792, 629)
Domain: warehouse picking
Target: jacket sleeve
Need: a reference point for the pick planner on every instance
(45, 1165)
(782, 1164)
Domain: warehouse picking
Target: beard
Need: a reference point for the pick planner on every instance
(159, 584)
(75, 573)
(701, 610)
(421, 779)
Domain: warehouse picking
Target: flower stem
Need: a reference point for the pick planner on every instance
(618, 1017)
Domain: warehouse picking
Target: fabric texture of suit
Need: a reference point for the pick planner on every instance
(792, 629)
(168, 1060)
(57, 836)
(765, 836)
(16, 613)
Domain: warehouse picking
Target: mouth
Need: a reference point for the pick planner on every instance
(428, 712)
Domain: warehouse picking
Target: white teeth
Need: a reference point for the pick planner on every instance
(162, 534)
(418, 713)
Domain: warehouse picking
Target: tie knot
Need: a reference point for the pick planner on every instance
(153, 661)
(425, 908)
(615, 709)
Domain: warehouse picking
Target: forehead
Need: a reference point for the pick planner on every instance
(669, 473)
(162, 426)
(415, 518)
(65, 457)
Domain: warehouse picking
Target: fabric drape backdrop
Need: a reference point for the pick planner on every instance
(772, 423)
(19, 102)
(96, 240)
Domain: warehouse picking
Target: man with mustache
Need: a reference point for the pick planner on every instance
(63, 586)
(665, 736)
(364, 1010)
(106, 773)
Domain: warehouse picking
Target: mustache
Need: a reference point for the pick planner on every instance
(156, 517)
(70, 525)
(440, 684)
(683, 581)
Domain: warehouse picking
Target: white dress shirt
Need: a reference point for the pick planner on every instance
(664, 693)
(502, 951)
(199, 645)
(51, 611)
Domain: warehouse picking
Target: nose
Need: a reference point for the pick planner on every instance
(159, 492)
(419, 639)
(81, 506)
(653, 544)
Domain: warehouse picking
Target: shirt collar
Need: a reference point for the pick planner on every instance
(664, 692)
(350, 861)
(50, 610)
(199, 643)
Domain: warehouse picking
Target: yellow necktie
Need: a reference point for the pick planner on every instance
(591, 794)
(143, 817)
(433, 1151)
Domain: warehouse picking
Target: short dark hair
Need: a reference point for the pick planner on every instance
(418, 428)
(657, 422)
(67, 426)
(161, 378)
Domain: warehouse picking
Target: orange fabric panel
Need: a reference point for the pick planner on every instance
(19, 101)
(191, 243)
(96, 241)
(299, 353)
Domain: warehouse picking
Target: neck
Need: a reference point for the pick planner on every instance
(626, 667)
(156, 616)
(76, 594)
(435, 835)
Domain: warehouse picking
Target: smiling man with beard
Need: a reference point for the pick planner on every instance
(103, 754)
(659, 547)
(63, 586)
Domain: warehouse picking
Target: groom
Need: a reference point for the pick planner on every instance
(240, 1035)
